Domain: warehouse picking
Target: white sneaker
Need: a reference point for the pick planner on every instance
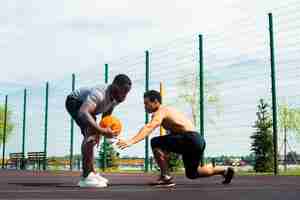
(92, 181)
(101, 178)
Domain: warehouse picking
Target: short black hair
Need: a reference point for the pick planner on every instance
(122, 80)
(153, 95)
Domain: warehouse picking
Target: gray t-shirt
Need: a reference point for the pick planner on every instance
(99, 95)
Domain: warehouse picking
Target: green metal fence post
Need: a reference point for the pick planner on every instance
(46, 127)
(201, 91)
(24, 130)
(4, 132)
(146, 114)
(104, 160)
(274, 98)
(72, 129)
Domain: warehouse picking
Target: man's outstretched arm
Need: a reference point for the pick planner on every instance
(142, 134)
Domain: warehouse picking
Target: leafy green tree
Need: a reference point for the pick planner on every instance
(9, 124)
(262, 139)
(112, 156)
(175, 163)
(250, 158)
(189, 93)
(289, 121)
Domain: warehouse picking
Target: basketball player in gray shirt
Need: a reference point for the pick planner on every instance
(83, 105)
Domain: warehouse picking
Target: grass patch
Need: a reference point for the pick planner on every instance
(290, 172)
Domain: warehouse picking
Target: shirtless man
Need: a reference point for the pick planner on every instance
(182, 139)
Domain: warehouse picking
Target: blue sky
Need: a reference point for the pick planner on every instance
(48, 40)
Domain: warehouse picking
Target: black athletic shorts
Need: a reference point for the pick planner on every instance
(190, 145)
(73, 105)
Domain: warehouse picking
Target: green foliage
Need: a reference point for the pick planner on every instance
(175, 163)
(189, 94)
(9, 123)
(262, 139)
(289, 119)
(112, 156)
(249, 158)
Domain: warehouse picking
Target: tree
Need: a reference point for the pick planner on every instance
(9, 124)
(262, 145)
(250, 158)
(189, 93)
(174, 163)
(289, 121)
(112, 156)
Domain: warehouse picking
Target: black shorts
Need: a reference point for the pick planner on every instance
(73, 105)
(190, 145)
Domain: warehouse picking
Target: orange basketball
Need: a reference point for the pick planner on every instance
(111, 122)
